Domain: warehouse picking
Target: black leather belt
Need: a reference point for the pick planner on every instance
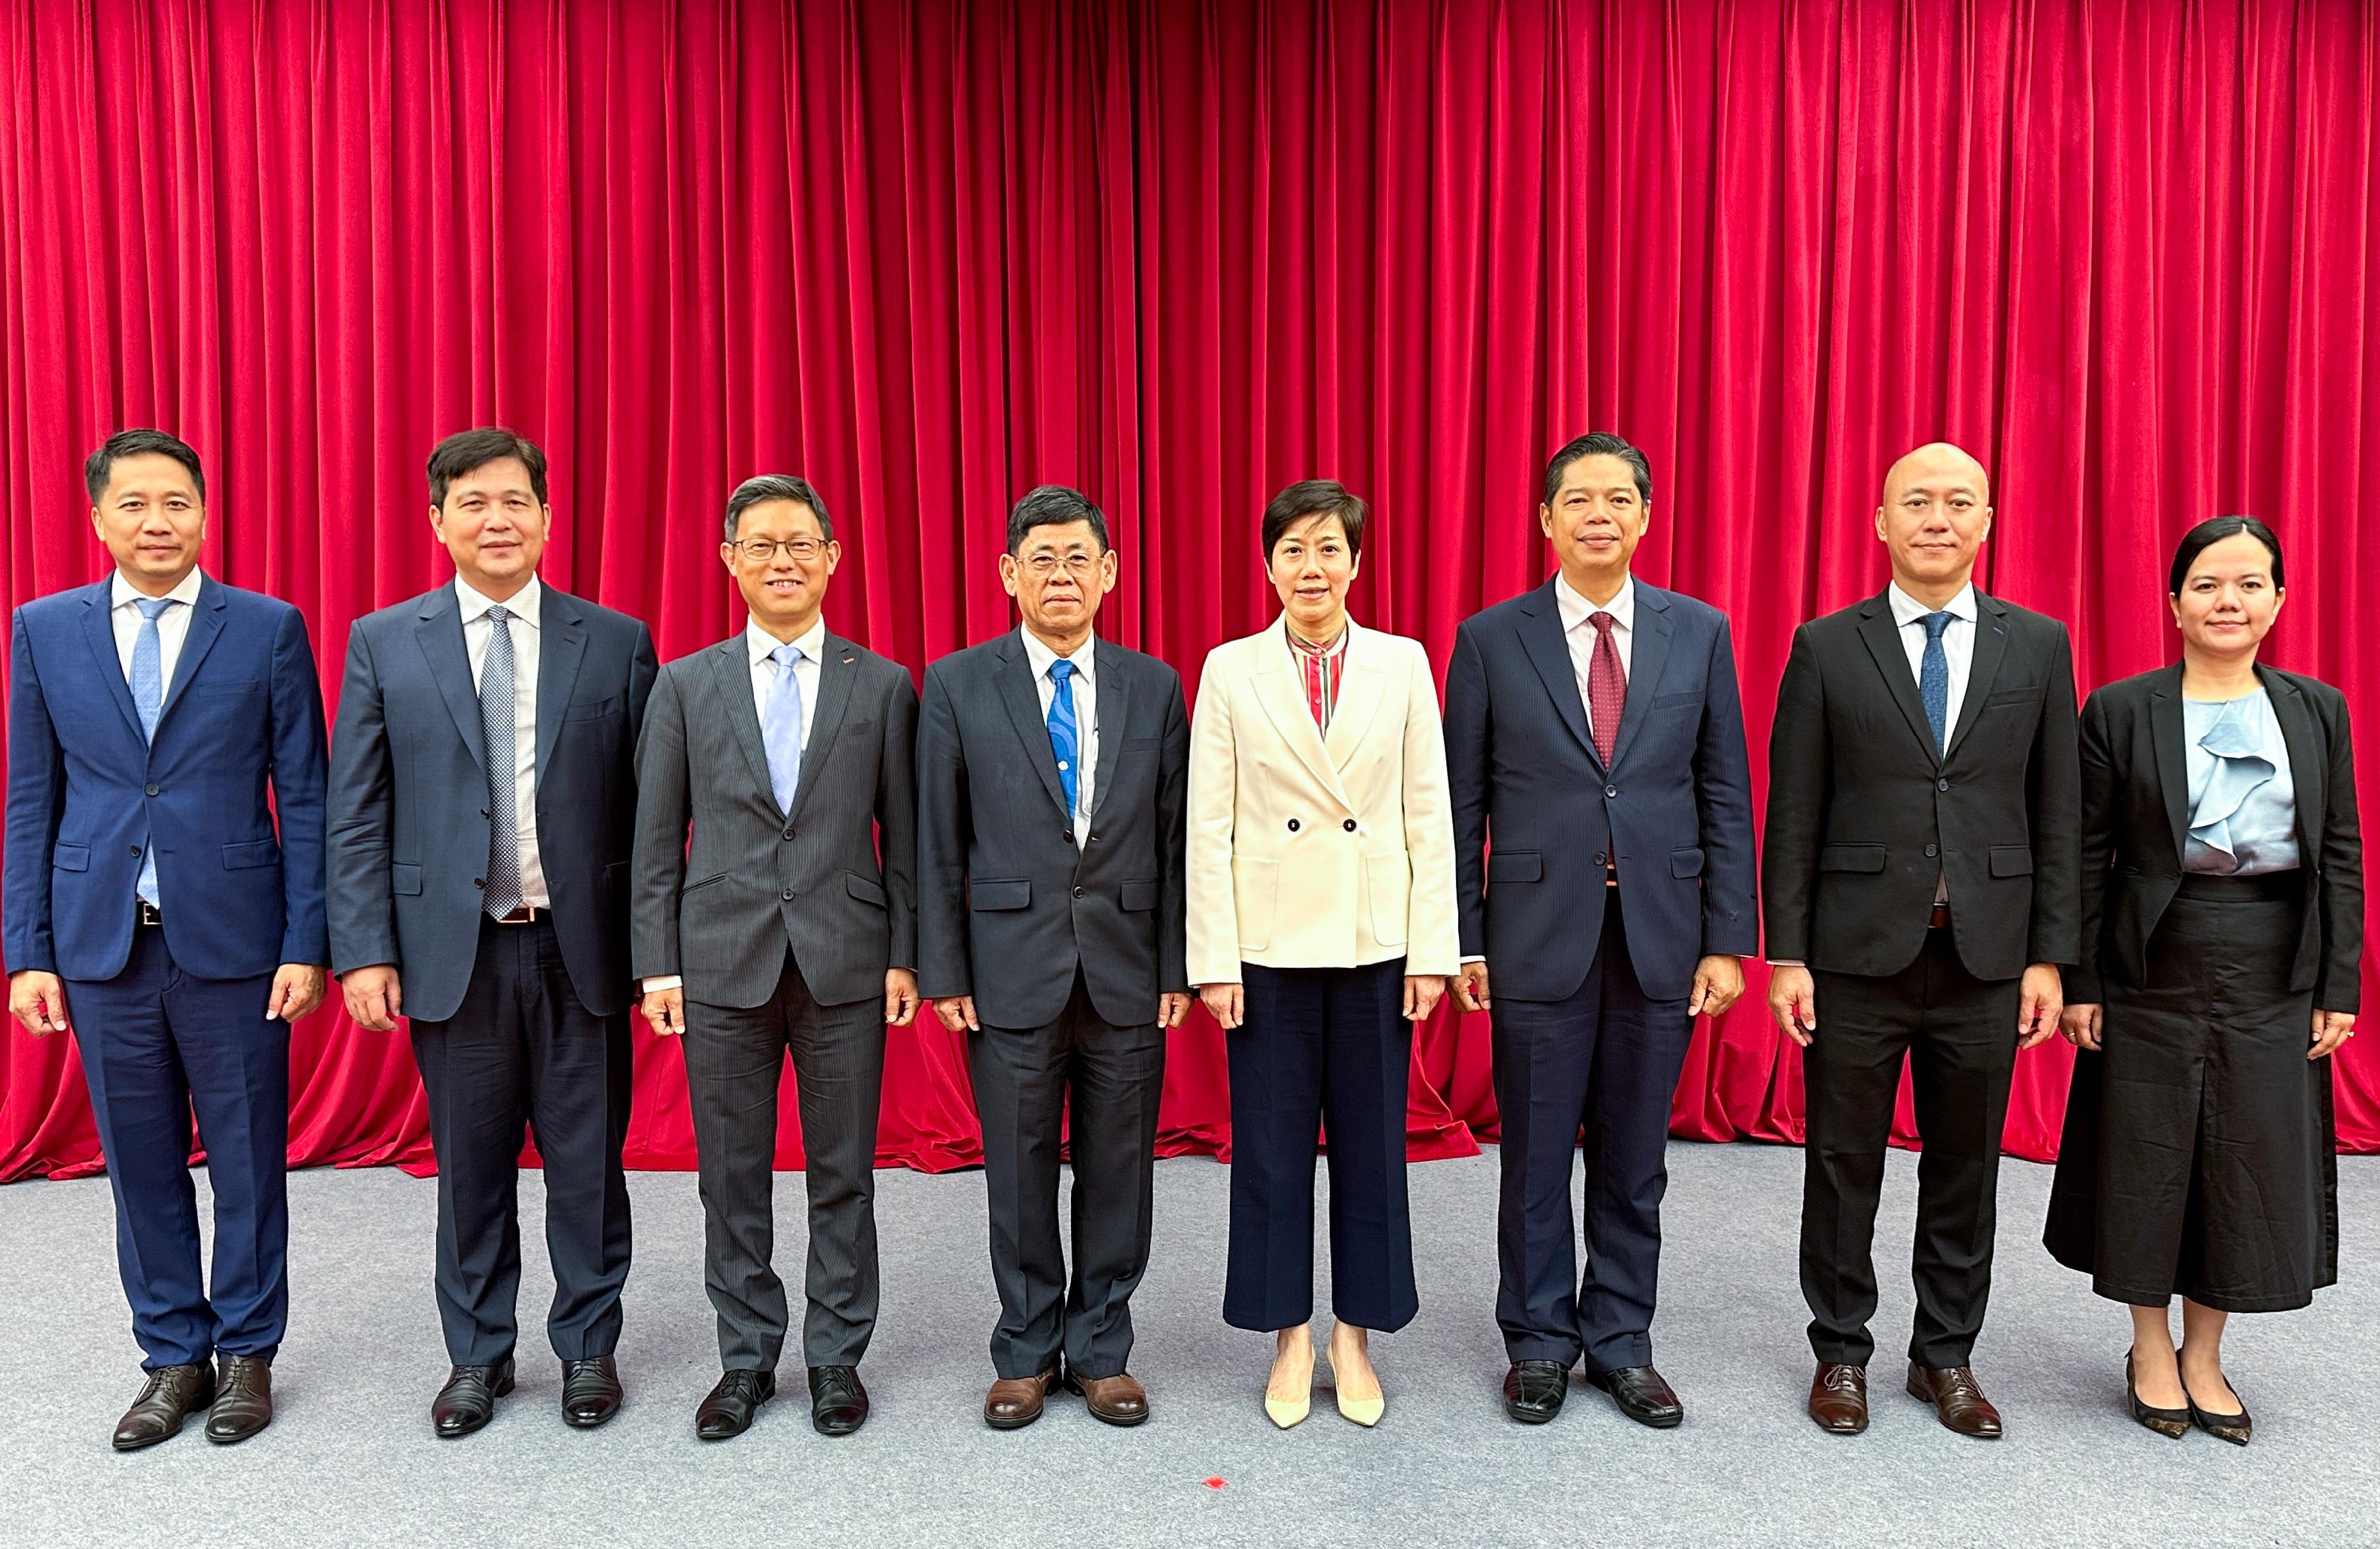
(1940, 918)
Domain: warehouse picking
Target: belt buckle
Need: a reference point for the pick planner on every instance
(522, 914)
(148, 912)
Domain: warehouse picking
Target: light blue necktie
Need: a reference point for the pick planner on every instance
(782, 728)
(499, 725)
(1934, 678)
(1065, 740)
(148, 698)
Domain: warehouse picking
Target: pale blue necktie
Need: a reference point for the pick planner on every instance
(1934, 678)
(148, 698)
(781, 728)
(499, 712)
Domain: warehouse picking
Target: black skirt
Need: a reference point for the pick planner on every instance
(2200, 1154)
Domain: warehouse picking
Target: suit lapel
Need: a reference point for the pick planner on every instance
(206, 627)
(1542, 637)
(1023, 697)
(1983, 665)
(2308, 769)
(1114, 708)
(1363, 685)
(99, 630)
(561, 644)
(1646, 657)
(439, 633)
(2172, 758)
(731, 672)
(1883, 640)
(1275, 687)
(837, 666)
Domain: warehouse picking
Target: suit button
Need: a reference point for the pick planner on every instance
(789, 833)
(152, 790)
(1941, 785)
(1598, 857)
(788, 895)
(1932, 851)
(136, 852)
(1611, 791)
(1349, 825)
(479, 882)
(1078, 892)
(1292, 823)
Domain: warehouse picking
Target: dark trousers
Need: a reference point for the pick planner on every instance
(1608, 1057)
(1026, 1081)
(1958, 1033)
(735, 1058)
(157, 1043)
(1328, 1046)
(520, 1050)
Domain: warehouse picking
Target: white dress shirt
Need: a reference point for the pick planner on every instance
(758, 643)
(1580, 635)
(477, 631)
(1086, 715)
(173, 625)
(1958, 641)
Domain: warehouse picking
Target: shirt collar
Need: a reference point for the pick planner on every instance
(1908, 610)
(186, 591)
(758, 643)
(1038, 655)
(523, 605)
(1576, 609)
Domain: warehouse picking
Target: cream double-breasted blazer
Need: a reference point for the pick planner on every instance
(1308, 852)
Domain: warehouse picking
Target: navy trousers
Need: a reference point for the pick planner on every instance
(157, 1043)
(1329, 1046)
(1606, 1058)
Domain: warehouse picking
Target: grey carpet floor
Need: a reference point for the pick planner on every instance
(351, 1461)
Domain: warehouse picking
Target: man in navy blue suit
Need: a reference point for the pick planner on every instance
(149, 897)
(482, 809)
(1594, 751)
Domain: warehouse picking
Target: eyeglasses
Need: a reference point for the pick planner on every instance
(1078, 564)
(762, 550)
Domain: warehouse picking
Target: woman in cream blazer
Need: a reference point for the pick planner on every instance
(1321, 929)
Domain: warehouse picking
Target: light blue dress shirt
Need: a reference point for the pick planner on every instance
(2242, 801)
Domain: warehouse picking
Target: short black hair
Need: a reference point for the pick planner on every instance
(1054, 505)
(2213, 530)
(762, 488)
(466, 450)
(138, 444)
(1316, 497)
(1599, 444)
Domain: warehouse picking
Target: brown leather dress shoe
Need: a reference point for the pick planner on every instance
(1957, 1398)
(243, 1399)
(166, 1399)
(1839, 1398)
(1119, 1399)
(1014, 1403)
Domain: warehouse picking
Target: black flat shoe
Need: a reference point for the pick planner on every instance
(838, 1402)
(2228, 1428)
(590, 1392)
(2171, 1423)
(469, 1399)
(1533, 1390)
(1642, 1396)
(729, 1410)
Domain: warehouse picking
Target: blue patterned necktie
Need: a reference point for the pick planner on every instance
(782, 728)
(1065, 740)
(148, 698)
(498, 711)
(1934, 678)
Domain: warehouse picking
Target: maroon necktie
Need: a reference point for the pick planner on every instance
(1607, 686)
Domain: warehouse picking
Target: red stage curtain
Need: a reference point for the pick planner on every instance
(929, 253)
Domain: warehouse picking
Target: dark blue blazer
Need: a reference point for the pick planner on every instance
(1675, 806)
(409, 796)
(244, 710)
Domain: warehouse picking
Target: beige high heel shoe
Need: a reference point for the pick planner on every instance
(1366, 1412)
(1286, 1412)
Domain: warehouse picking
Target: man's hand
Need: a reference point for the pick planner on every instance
(296, 989)
(2330, 1030)
(900, 997)
(1719, 984)
(664, 1011)
(1793, 1002)
(37, 1001)
(2080, 1024)
(1471, 987)
(2043, 997)
(1423, 992)
(1226, 1003)
(1171, 1007)
(374, 999)
(957, 1013)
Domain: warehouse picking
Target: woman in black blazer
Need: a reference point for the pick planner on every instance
(2222, 920)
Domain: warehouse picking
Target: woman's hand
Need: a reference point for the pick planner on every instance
(1423, 992)
(1226, 1003)
(2080, 1024)
(2330, 1030)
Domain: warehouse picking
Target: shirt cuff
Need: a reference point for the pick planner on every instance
(1786, 962)
(1468, 960)
(665, 981)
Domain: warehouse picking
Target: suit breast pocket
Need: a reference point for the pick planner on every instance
(1691, 700)
(1138, 745)
(596, 710)
(2013, 698)
(228, 687)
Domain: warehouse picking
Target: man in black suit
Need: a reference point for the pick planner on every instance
(481, 796)
(791, 752)
(1922, 884)
(1052, 771)
(1595, 740)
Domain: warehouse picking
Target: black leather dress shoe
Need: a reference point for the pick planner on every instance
(590, 1392)
(166, 1399)
(243, 1399)
(469, 1399)
(1533, 1390)
(729, 1408)
(838, 1402)
(1642, 1396)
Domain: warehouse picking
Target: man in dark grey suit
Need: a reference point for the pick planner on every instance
(480, 820)
(1052, 770)
(793, 924)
